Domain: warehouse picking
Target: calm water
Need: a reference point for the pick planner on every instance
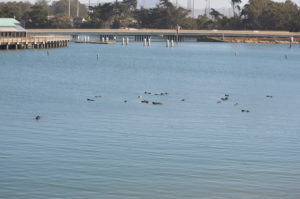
(115, 150)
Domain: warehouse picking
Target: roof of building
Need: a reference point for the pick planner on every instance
(12, 29)
(10, 25)
(8, 22)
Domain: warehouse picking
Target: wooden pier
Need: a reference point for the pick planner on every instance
(48, 41)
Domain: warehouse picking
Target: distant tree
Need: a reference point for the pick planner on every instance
(60, 21)
(61, 8)
(235, 6)
(216, 15)
(270, 15)
(14, 9)
(131, 4)
(37, 17)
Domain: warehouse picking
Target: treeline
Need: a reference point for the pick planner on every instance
(255, 15)
(43, 15)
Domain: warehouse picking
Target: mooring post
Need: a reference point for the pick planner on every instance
(168, 43)
(291, 41)
(145, 41)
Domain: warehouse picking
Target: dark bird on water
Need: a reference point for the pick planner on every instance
(90, 100)
(224, 98)
(37, 117)
(245, 111)
(157, 103)
(145, 102)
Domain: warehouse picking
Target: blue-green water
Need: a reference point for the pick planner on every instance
(109, 149)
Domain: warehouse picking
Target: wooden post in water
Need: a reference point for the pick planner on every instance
(145, 41)
(123, 41)
(168, 44)
(149, 41)
(172, 43)
(291, 41)
(127, 40)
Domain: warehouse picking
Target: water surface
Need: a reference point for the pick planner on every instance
(109, 149)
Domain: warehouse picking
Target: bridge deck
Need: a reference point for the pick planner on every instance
(161, 32)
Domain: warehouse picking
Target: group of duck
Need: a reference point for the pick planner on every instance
(143, 101)
(226, 98)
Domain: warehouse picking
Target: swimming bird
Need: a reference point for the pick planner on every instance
(157, 103)
(145, 102)
(269, 96)
(182, 100)
(245, 111)
(90, 100)
(224, 98)
(37, 117)
(125, 101)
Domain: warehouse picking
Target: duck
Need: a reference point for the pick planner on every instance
(90, 100)
(157, 103)
(37, 117)
(245, 111)
(145, 102)
(224, 98)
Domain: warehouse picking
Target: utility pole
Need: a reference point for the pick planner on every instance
(77, 9)
(193, 8)
(69, 8)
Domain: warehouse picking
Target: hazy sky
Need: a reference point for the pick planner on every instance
(198, 3)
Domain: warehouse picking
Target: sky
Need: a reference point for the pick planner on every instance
(199, 4)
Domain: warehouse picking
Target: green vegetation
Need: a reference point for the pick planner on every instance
(255, 15)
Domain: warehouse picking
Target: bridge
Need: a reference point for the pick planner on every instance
(165, 33)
